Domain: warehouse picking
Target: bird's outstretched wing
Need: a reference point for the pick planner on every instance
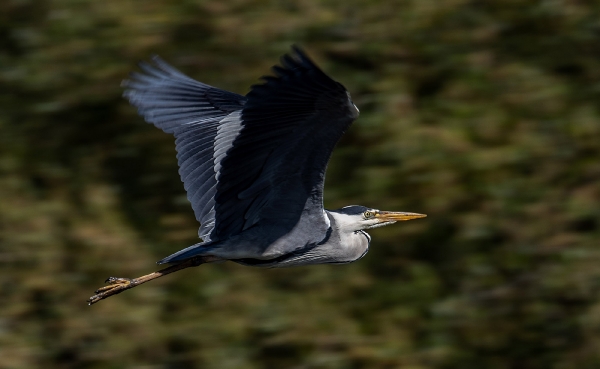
(248, 159)
(288, 128)
(192, 112)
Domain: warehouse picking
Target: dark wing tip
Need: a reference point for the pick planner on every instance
(303, 57)
(299, 59)
(294, 64)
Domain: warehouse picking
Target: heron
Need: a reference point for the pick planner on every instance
(253, 167)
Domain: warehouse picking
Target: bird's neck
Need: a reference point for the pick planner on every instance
(349, 245)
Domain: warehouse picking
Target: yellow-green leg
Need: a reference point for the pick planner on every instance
(118, 285)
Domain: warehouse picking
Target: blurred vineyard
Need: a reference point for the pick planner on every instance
(482, 114)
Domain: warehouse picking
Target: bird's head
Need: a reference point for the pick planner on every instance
(357, 218)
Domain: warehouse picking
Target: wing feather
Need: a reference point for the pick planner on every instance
(279, 117)
(192, 111)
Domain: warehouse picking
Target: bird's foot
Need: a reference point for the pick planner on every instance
(115, 285)
(115, 282)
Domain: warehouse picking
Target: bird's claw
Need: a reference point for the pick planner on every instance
(114, 282)
(115, 285)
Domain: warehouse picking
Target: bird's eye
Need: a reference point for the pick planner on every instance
(368, 214)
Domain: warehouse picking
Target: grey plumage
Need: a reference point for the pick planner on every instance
(253, 166)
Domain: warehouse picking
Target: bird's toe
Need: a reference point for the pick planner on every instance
(114, 283)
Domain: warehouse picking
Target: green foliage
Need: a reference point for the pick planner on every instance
(482, 114)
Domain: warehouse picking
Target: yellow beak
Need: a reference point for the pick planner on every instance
(394, 216)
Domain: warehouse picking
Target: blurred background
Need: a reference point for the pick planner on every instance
(482, 114)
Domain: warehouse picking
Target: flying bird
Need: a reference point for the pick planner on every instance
(253, 167)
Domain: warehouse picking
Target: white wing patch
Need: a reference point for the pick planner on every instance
(229, 129)
(326, 218)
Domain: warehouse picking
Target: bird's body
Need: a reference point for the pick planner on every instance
(316, 242)
(254, 166)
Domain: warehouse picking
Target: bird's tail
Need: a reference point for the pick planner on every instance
(199, 249)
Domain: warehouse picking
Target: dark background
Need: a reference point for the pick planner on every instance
(482, 114)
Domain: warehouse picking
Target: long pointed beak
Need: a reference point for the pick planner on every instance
(395, 216)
